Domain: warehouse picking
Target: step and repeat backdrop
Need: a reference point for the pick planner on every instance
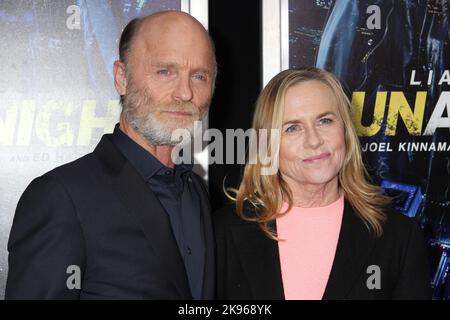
(57, 96)
(393, 58)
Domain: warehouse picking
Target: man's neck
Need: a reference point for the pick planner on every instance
(162, 153)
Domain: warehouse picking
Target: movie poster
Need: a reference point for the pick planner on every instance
(393, 58)
(57, 95)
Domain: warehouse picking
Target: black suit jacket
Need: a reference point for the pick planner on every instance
(248, 265)
(97, 213)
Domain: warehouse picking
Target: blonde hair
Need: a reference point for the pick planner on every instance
(266, 193)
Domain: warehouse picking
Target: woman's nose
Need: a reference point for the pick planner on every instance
(313, 138)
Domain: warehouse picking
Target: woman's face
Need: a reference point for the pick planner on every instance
(312, 147)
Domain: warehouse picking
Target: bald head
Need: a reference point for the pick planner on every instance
(168, 26)
(167, 20)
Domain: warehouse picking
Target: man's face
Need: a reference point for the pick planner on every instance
(169, 83)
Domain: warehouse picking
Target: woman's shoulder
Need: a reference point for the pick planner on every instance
(400, 227)
(398, 222)
(396, 228)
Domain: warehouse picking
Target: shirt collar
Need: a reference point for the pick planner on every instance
(142, 160)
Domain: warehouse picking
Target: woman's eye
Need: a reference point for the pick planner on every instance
(326, 121)
(292, 128)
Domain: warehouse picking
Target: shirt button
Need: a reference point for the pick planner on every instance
(167, 173)
(189, 251)
(189, 179)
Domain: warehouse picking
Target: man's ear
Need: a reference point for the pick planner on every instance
(120, 78)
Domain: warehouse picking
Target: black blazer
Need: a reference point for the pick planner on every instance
(97, 213)
(248, 265)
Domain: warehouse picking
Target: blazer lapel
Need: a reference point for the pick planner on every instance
(354, 245)
(147, 211)
(260, 260)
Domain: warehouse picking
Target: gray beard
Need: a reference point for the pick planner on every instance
(153, 130)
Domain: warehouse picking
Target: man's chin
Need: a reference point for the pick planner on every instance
(167, 129)
(181, 125)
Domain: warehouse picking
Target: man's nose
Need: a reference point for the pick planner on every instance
(183, 90)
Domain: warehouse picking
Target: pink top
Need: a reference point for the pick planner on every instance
(306, 255)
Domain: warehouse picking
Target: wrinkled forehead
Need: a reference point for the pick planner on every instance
(310, 97)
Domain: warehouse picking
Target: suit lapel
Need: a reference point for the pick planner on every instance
(354, 246)
(260, 260)
(147, 211)
(209, 271)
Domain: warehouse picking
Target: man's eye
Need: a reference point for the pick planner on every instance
(163, 72)
(200, 77)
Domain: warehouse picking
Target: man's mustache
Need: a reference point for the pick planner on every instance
(187, 107)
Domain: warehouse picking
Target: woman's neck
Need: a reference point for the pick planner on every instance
(314, 195)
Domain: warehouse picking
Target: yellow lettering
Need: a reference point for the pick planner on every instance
(398, 105)
(378, 113)
(89, 120)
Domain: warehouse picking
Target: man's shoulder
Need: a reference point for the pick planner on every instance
(82, 166)
(79, 174)
(55, 187)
